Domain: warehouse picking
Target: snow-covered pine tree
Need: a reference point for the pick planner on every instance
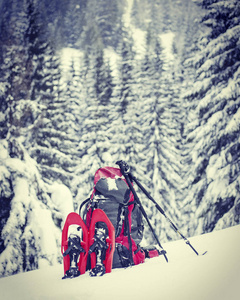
(160, 131)
(140, 13)
(109, 14)
(14, 73)
(53, 16)
(20, 111)
(30, 233)
(43, 139)
(95, 137)
(105, 15)
(74, 107)
(49, 145)
(74, 22)
(186, 28)
(30, 222)
(215, 133)
(126, 139)
(186, 44)
(156, 13)
(166, 11)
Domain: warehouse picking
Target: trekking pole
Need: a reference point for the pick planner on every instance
(163, 213)
(125, 171)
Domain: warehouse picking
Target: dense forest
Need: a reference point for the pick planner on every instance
(84, 83)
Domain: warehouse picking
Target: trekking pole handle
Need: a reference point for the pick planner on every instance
(124, 167)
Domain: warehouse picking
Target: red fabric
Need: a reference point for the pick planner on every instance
(107, 172)
(153, 253)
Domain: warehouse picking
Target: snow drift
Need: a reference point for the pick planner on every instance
(215, 275)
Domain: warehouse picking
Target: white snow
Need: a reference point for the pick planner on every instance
(75, 230)
(127, 15)
(214, 276)
(62, 198)
(70, 57)
(2, 117)
(113, 58)
(107, 157)
(139, 37)
(3, 150)
(233, 124)
(167, 42)
(43, 227)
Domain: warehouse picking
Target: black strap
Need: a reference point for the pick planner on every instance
(127, 232)
(137, 250)
(98, 243)
(82, 204)
(71, 244)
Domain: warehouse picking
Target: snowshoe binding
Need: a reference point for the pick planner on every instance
(101, 243)
(99, 247)
(74, 246)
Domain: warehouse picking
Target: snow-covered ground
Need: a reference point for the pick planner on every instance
(187, 276)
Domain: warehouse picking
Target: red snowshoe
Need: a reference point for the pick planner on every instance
(101, 243)
(74, 246)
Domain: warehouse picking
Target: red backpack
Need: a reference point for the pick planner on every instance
(112, 195)
(108, 233)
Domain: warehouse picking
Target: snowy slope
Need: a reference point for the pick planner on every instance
(215, 275)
